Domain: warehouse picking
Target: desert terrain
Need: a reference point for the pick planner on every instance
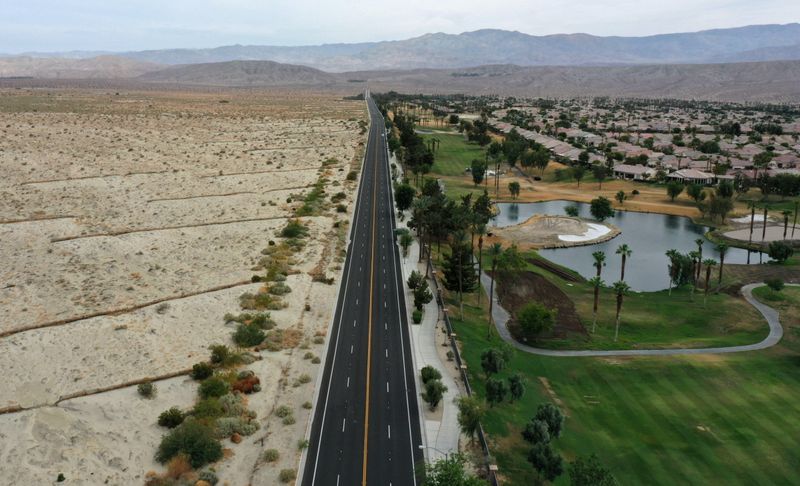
(131, 223)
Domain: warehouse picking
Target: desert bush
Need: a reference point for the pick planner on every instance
(339, 196)
(209, 408)
(341, 208)
(307, 405)
(294, 229)
(315, 360)
(308, 355)
(352, 175)
(213, 387)
(279, 288)
(271, 455)
(162, 308)
(247, 335)
(232, 404)
(262, 320)
(147, 389)
(283, 411)
(302, 444)
(319, 339)
(227, 426)
(290, 420)
(195, 440)
(171, 418)
(287, 475)
(304, 378)
(248, 385)
(208, 477)
(416, 316)
(201, 371)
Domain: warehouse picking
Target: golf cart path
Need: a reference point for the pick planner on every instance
(501, 318)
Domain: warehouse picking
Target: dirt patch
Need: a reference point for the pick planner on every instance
(524, 287)
(552, 394)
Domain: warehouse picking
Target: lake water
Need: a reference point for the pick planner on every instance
(649, 235)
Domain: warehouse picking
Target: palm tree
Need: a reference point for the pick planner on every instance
(673, 258)
(596, 282)
(752, 206)
(599, 263)
(699, 242)
(494, 251)
(709, 263)
(722, 248)
(785, 214)
(481, 230)
(794, 223)
(764, 231)
(695, 256)
(621, 289)
(626, 252)
(459, 239)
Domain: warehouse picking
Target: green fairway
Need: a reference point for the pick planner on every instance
(713, 419)
(454, 155)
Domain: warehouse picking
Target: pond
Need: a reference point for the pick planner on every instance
(649, 235)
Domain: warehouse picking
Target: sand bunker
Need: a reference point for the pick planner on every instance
(542, 231)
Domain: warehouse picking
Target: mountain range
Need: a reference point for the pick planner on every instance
(490, 46)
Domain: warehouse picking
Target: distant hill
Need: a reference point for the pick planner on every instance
(503, 47)
(761, 81)
(241, 74)
(105, 67)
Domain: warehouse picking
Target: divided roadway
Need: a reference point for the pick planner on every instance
(366, 427)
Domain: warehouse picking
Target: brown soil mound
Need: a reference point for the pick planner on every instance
(516, 290)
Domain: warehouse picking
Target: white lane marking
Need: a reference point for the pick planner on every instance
(351, 349)
(356, 301)
(387, 387)
(354, 323)
(344, 422)
(387, 352)
(386, 325)
(348, 382)
(389, 428)
(337, 481)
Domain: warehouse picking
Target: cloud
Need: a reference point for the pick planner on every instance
(148, 24)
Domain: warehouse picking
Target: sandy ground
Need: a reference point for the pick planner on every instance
(111, 202)
(774, 233)
(554, 231)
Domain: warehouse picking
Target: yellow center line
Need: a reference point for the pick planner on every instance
(369, 322)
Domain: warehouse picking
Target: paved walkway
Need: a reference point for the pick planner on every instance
(441, 435)
(501, 318)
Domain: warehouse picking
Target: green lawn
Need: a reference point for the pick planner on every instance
(675, 420)
(658, 319)
(454, 155)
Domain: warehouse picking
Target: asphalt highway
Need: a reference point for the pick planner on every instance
(366, 428)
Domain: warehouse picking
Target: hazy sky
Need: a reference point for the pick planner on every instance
(116, 25)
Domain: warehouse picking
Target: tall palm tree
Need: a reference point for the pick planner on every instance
(722, 248)
(625, 251)
(671, 268)
(785, 214)
(599, 263)
(495, 251)
(695, 256)
(764, 231)
(459, 239)
(709, 263)
(480, 230)
(596, 282)
(621, 289)
(752, 206)
(794, 223)
(699, 242)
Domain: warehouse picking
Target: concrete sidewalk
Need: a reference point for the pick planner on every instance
(441, 434)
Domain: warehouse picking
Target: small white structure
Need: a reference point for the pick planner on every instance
(692, 175)
(635, 172)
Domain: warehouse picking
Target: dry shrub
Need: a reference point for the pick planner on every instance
(250, 384)
(178, 466)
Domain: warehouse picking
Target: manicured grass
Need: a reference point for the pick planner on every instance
(731, 419)
(454, 155)
(657, 319)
